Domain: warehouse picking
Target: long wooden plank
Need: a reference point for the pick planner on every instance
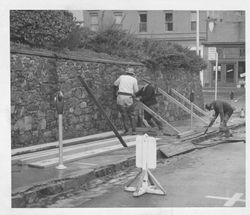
(84, 84)
(174, 149)
(141, 115)
(158, 117)
(177, 102)
(57, 55)
(24, 158)
(78, 156)
(54, 144)
(186, 100)
(181, 105)
(187, 133)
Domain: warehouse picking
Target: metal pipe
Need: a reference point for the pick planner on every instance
(60, 128)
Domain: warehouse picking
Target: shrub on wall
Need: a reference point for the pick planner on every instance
(41, 28)
(57, 29)
(155, 54)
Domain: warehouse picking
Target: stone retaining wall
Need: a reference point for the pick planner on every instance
(36, 77)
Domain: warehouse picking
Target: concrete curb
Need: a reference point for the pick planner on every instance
(49, 188)
(56, 187)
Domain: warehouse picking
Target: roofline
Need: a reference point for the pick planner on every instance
(224, 44)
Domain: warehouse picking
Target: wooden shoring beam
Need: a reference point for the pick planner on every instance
(172, 99)
(173, 130)
(187, 101)
(181, 105)
(84, 84)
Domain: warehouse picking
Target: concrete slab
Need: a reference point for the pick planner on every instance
(76, 156)
(54, 144)
(69, 150)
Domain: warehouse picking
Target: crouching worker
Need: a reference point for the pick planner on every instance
(225, 111)
(147, 96)
(127, 87)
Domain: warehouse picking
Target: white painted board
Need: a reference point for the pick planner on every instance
(145, 152)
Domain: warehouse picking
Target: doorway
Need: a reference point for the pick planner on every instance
(226, 74)
(229, 73)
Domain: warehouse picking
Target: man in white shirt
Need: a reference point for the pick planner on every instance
(127, 87)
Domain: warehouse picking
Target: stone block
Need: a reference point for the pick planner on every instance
(18, 202)
(24, 124)
(42, 124)
(78, 110)
(47, 134)
(12, 109)
(40, 114)
(83, 104)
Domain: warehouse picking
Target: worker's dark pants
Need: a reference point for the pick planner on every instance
(151, 119)
(128, 111)
(223, 124)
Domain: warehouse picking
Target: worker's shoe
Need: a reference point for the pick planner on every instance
(160, 133)
(228, 134)
(125, 132)
(133, 132)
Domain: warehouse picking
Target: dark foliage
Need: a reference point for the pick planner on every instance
(41, 28)
(57, 29)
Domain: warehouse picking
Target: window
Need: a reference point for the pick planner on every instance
(143, 22)
(193, 20)
(242, 52)
(118, 18)
(230, 73)
(169, 21)
(242, 73)
(219, 72)
(94, 24)
(220, 53)
(242, 69)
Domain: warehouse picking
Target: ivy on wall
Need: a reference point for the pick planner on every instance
(40, 28)
(155, 54)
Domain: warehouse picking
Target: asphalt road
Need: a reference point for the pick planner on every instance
(210, 177)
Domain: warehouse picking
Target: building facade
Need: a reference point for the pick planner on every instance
(225, 33)
(223, 30)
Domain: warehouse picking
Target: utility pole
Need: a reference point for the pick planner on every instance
(197, 33)
(216, 75)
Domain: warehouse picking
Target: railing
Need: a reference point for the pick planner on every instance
(198, 109)
(180, 105)
(172, 128)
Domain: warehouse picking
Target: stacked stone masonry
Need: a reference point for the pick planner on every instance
(35, 80)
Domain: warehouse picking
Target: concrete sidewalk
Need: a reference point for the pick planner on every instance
(32, 184)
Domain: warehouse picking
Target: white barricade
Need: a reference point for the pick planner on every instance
(145, 159)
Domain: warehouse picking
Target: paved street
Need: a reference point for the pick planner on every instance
(211, 177)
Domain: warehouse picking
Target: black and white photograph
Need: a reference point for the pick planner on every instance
(124, 108)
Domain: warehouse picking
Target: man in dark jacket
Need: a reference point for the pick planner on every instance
(225, 111)
(147, 96)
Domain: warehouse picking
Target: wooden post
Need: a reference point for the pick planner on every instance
(84, 84)
(216, 75)
(191, 115)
